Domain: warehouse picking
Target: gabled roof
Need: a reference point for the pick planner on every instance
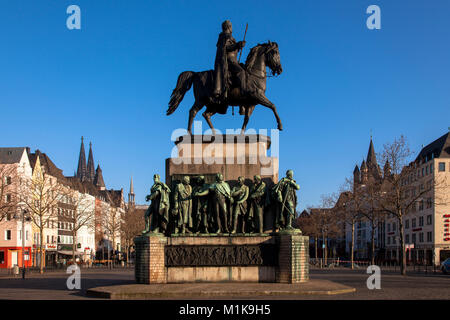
(11, 155)
(48, 165)
(439, 148)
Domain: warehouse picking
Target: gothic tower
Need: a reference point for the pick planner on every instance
(98, 180)
(82, 171)
(90, 165)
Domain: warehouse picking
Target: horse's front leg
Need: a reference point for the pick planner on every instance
(192, 113)
(262, 100)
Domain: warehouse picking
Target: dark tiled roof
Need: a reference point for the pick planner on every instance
(11, 155)
(49, 167)
(439, 148)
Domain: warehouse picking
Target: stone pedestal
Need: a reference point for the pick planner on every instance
(279, 258)
(231, 155)
(293, 258)
(149, 264)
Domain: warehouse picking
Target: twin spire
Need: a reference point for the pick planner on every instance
(88, 172)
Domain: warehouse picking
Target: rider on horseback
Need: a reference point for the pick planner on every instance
(226, 64)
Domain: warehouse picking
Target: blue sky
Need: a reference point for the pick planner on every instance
(111, 80)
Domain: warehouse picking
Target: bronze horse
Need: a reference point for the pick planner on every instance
(260, 56)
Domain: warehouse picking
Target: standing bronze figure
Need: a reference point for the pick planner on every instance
(230, 83)
(221, 199)
(286, 198)
(257, 202)
(200, 206)
(157, 214)
(240, 195)
(182, 210)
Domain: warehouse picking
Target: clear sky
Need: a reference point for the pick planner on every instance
(111, 80)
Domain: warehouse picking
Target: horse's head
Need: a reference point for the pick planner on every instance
(273, 60)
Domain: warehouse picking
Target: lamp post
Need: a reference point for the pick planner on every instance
(24, 213)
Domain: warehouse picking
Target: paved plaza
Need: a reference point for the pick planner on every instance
(52, 285)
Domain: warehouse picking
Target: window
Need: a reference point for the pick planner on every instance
(441, 166)
(426, 170)
(431, 168)
(7, 180)
(2, 257)
(420, 205)
(429, 203)
(8, 198)
(26, 235)
(48, 239)
(420, 221)
(414, 238)
(389, 227)
(407, 224)
(394, 228)
(393, 240)
(421, 237)
(7, 234)
(429, 237)
(413, 222)
(429, 219)
(407, 238)
(388, 240)
(423, 172)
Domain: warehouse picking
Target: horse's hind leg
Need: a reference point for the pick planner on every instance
(207, 115)
(192, 113)
(248, 113)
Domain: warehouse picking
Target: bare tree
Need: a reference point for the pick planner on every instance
(403, 188)
(112, 221)
(41, 195)
(326, 220)
(372, 211)
(349, 209)
(132, 225)
(83, 215)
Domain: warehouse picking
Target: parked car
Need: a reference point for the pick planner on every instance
(445, 266)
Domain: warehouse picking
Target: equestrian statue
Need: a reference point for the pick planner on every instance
(230, 83)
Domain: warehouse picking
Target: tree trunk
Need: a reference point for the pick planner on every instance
(42, 253)
(315, 245)
(74, 238)
(373, 244)
(402, 247)
(352, 243)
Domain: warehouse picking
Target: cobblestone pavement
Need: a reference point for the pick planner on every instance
(52, 285)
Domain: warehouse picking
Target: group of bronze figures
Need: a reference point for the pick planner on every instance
(195, 207)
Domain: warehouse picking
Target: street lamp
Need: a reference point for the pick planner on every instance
(24, 217)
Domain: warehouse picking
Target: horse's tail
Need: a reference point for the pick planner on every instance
(184, 83)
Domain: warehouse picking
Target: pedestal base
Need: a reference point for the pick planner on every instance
(281, 258)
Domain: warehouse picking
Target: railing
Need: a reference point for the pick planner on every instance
(385, 265)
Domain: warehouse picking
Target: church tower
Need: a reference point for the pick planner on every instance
(82, 170)
(98, 180)
(90, 165)
(131, 194)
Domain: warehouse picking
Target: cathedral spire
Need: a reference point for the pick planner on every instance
(90, 165)
(131, 194)
(82, 171)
